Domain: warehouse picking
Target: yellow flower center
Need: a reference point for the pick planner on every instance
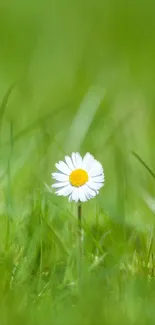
(78, 177)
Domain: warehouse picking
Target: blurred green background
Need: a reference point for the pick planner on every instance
(77, 76)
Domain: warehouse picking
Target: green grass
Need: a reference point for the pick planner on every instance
(77, 76)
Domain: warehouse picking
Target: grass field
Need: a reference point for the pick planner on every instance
(77, 76)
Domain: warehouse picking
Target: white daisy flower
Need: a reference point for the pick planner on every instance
(80, 179)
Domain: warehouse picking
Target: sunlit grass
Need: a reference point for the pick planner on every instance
(77, 76)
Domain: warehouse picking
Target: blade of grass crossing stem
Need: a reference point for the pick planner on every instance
(143, 163)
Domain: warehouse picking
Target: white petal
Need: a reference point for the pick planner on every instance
(90, 192)
(87, 161)
(60, 184)
(96, 169)
(98, 179)
(65, 190)
(74, 160)
(78, 160)
(75, 195)
(81, 193)
(69, 162)
(94, 186)
(85, 189)
(63, 167)
(60, 177)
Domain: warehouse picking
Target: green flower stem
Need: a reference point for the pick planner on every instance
(80, 250)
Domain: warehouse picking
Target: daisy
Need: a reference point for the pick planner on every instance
(80, 179)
